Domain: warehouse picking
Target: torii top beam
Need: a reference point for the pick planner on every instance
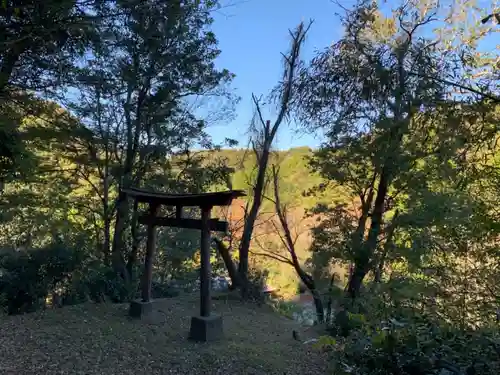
(222, 198)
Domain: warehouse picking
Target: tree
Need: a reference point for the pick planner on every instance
(134, 99)
(262, 143)
(131, 119)
(364, 92)
(282, 227)
(40, 43)
(50, 198)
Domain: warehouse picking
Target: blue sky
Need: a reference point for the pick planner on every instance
(252, 34)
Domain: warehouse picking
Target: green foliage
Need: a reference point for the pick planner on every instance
(370, 110)
(40, 44)
(132, 122)
(293, 165)
(325, 343)
(161, 290)
(405, 185)
(391, 332)
(99, 283)
(417, 347)
(27, 277)
(42, 40)
(284, 307)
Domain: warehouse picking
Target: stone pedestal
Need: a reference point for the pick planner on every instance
(140, 309)
(206, 328)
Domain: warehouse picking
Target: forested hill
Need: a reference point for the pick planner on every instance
(296, 177)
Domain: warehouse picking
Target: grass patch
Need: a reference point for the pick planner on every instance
(100, 339)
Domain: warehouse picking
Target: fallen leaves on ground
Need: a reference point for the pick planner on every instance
(100, 339)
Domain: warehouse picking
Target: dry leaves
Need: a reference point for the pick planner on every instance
(101, 339)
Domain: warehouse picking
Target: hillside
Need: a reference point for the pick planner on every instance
(295, 175)
(296, 178)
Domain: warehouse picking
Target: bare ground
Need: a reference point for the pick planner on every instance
(101, 339)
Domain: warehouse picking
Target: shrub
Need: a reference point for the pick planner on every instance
(286, 308)
(27, 277)
(416, 347)
(98, 283)
(256, 283)
(163, 290)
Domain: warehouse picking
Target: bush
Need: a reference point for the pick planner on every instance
(98, 283)
(163, 290)
(28, 277)
(256, 283)
(383, 334)
(416, 347)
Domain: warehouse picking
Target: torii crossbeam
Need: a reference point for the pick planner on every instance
(206, 327)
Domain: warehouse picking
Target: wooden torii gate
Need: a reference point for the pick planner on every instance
(206, 327)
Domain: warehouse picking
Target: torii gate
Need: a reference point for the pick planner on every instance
(206, 327)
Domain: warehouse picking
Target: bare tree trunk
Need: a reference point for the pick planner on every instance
(134, 252)
(107, 236)
(122, 206)
(387, 247)
(105, 194)
(366, 251)
(359, 237)
(228, 262)
(329, 305)
(310, 284)
(262, 148)
(289, 242)
(9, 62)
(366, 205)
(252, 215)
(380, 267)
(117, 258)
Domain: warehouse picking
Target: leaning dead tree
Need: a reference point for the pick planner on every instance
(262, 143)
(490, 17)
(288, 241)
(224, 246)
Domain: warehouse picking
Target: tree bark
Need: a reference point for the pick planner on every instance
(252, 217)
(263, 150)
(9, 62)
(366, 205)
(149, 259)
(106, 184)
(366, 251)
(289, 243)
(228, 262)
(117, 259)
(387, 246)
(310, 284)
(134, 252)
(329, 305)
(122, 205)
(107, 237)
